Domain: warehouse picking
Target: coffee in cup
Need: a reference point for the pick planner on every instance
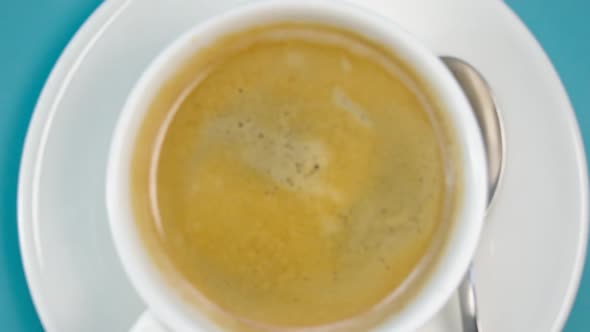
(295, 173)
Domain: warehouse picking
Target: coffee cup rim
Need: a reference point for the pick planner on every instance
(461, 240)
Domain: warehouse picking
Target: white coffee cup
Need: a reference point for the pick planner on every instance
(167, 311)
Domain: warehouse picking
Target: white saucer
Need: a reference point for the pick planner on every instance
(530, 258)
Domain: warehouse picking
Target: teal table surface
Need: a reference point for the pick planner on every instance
(33, 33)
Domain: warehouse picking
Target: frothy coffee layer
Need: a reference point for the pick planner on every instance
(299, 179)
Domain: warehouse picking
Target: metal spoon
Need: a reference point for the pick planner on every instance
(480, 97)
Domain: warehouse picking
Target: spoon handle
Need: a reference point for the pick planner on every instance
(468, 303)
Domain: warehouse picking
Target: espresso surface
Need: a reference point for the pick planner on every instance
(297, 181)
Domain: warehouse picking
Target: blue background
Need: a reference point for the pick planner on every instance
(33, 33)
